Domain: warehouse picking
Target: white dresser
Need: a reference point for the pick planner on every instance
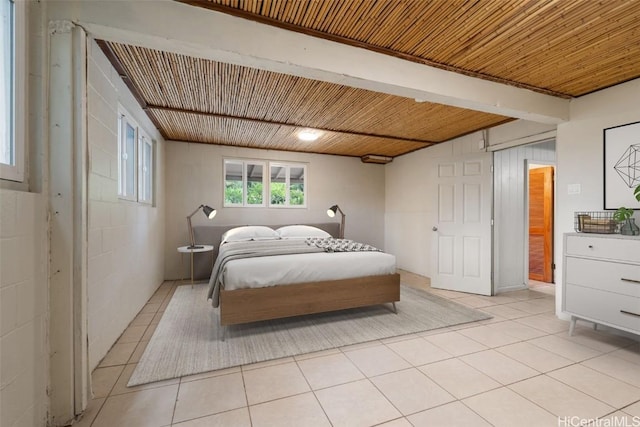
(602, 280)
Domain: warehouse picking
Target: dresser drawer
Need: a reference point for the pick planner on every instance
(603, 307)
(604, 275)
(614, 248)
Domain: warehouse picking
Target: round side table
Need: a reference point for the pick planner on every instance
(191, 251)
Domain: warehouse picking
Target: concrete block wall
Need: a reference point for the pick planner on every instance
(23, 309)
(125, 239)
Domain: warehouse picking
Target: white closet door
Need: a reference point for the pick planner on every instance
(462, 243)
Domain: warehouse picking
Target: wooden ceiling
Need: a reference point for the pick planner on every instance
(564, 48)
(197, 100)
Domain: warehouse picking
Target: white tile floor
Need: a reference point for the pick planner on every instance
(519, 368)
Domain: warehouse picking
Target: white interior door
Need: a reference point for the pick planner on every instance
(462, 232)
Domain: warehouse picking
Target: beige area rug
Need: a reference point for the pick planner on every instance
(188, 338)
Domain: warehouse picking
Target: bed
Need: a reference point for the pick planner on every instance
(262, 273)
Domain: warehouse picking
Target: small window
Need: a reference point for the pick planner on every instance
(12, 89)
(296, 185)
(127, 153)
(255, 183)
(145, 173)
(233, 183)
(287, 185)
(244, 183)
(278, 186)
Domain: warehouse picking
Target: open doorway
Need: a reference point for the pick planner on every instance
(511, 212)
(540, 213)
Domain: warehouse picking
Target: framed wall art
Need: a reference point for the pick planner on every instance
(621, 165)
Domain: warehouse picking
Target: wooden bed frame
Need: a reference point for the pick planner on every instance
(275, 302)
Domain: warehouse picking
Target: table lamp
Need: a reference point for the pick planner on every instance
(332, 212)
(209, 212)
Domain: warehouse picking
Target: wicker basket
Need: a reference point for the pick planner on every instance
(596, 222)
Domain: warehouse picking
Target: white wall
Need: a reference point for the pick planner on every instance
(579, 149)
(24, 290)
(24, 352)
(194, 177)
(126, 239)
(410, 209)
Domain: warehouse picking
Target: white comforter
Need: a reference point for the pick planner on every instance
(300, 268)
(265, 263)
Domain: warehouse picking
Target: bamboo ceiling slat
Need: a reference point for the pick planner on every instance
(199, 128)
(565, 47)
(186, 83)
(552, 39)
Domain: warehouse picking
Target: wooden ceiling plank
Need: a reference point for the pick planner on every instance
(543, 36)
(407, 38)
(316, 19)
(312, 11)
(439, 32)
(266, 122)
(506, 33)
(288, 12)
(398, 17)
(369, 24)
(488, 38)
(303, 10)
(364, 24)
(544, 49)
(214, 5)
(467, 42)
(241, 92)
(340, 15)
(293, 100)
(266, 8)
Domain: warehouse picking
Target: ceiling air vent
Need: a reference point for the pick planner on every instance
(374, 158)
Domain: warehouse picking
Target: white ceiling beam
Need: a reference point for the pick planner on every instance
(180, 28)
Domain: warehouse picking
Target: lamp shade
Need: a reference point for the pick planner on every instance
(332, 211)
(209, 211)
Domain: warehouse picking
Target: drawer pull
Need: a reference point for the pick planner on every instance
(630, 313)
(590, 246)
(630, 280)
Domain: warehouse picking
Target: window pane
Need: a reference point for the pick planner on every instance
(277, 185)
(255, 189)
(233, 193)
(296, 186)
(146, 171)
(7, 155)
(130, 158)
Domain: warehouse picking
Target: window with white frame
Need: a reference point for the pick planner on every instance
(287, 185)
(127, 156)
(145, 169)
(244, 183)
(261, 183)
(12, 89)
(136, 159)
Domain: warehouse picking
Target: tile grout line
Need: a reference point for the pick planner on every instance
(315, 396)
(379, 342)
(246, 396)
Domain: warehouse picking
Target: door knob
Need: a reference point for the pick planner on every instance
(435, 228)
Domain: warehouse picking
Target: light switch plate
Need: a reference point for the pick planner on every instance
(573, 189)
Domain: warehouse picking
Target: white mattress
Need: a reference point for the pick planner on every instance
(300, 268)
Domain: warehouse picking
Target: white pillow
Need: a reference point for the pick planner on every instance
(300, 232)
(249, 232)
